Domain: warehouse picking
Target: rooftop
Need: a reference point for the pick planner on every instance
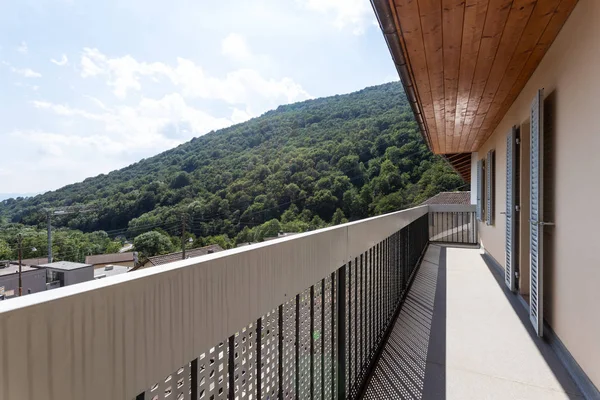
(450, 198)
(14, 269)
(33, 261)
(169, 258)
(65, 265)
(110, 258)
(110, 270)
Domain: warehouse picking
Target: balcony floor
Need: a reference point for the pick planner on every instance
(462, 335)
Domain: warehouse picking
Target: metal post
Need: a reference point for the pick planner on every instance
(49, 226)
(194, 380)
(20, 239)
(258, 361)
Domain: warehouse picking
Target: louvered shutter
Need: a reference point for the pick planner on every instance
(536, 197)
(511, 203)
(480, 190)
(489, 189)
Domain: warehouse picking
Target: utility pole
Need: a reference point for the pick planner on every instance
(49, 221)
(183, 225)
(20, 240)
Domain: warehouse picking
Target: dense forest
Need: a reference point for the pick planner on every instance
(299, 167)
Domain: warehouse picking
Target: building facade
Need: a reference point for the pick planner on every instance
(506, 91)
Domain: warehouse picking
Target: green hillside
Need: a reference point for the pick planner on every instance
(359, 153)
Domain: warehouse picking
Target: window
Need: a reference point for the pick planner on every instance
(480, 186)
(490, 164)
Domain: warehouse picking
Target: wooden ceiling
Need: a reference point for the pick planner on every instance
(466, 61)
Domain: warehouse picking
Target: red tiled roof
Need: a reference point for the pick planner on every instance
(449, 198)
(110, 258)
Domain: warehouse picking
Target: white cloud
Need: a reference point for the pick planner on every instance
(123, 74)
(235, 47)
(26, 72)
(23, 49)
(346, 13)
(62, 62)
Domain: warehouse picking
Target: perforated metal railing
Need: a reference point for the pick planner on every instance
(453, 224)
(321, 344)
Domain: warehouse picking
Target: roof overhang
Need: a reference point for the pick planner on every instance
(464, 62)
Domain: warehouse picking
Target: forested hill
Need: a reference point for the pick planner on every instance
(360, 153)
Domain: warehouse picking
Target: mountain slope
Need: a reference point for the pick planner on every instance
(360, 152)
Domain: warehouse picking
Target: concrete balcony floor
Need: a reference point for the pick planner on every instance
(462, 335)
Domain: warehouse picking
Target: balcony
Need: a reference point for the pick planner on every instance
(382, 308)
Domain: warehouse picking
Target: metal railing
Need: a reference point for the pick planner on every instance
(295, 318)
(450, 223)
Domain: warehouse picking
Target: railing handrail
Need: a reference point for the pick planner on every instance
(111, 338)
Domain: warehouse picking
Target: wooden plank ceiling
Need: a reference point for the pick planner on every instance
(466, 61)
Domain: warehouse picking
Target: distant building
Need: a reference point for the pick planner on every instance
(449, 198)
(34, 262)
(66, 273)
(110, 270)
(128, 259)
(33, 280)
(169, 258)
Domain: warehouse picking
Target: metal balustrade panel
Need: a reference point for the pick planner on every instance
(288, 378)
(213, 373)
(175, 386)
(244, 368)
(269, 355)
(327, 334)
(304, 345)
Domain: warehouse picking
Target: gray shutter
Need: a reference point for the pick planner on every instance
(511, 203)
(489, 190)
(536, 232)
(479, 190)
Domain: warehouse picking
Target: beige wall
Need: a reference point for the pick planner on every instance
(570, 75)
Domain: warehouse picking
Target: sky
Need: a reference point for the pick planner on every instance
(87, 87)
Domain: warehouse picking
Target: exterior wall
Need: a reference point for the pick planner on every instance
(79, 275)
(32, 280)
(568, 74)
(474, 178)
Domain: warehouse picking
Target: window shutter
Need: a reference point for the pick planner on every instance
(536, 233)
(489, 190)
(511, 202)
(479, 190)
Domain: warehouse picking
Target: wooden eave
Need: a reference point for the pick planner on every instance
(464, 62)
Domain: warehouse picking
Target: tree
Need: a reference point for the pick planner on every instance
(5, 251)
(152, 243)
(181, 180)
(338, 217)
(268, 229)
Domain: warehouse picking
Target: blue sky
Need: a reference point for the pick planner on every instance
(87, 87)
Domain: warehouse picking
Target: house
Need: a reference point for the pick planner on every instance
(66, 273)
(33, 280)
(178, 256)
(127, 259)
(449, 198)
(507, 92)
